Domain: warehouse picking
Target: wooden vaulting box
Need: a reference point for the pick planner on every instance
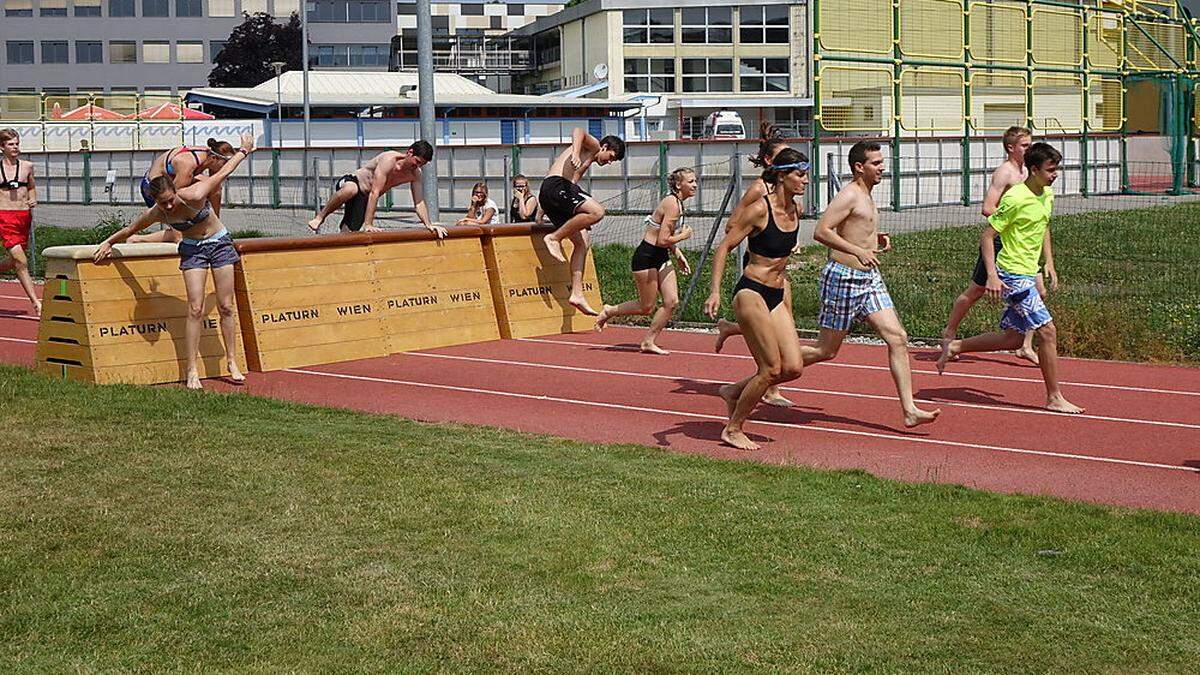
(313, 300)
(122, 321)
(531, 288)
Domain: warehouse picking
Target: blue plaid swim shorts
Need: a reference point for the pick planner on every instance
(848, 295)
(1025, 309)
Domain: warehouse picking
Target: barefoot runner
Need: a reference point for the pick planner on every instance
(1022, 221)
(770, 226)
(767, 149)
(360, 191)
(570, 208)
(652, 270)
(851, 286)
(206, 245)
(1008, 174)
(18, 196)
(183, 164)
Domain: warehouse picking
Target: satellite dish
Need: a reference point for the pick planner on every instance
(601, 71)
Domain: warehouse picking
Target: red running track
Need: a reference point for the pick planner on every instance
(1138, 444)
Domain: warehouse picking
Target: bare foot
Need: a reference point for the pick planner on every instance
(772, 396)
(947, 354)
(554, 247)
(193, 381)
(737, 439)
(730, 395)
(648, 347)
(315, 225)
(1062, 405)
(724, 330)
(580, 303)
(916, 417)
(235, 374)
(1029, 355)
(602, 318)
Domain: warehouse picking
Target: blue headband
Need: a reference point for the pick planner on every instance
(803, 166)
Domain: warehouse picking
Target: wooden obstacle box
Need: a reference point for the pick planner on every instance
(124, 320)
(531, 287)
(313, 300)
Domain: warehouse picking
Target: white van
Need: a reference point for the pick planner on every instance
(724, 124)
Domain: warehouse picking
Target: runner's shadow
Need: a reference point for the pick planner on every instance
(970, 395)
(932, 357)
(16, 314)
(702, 431)
(797, 415)
(1193, 464)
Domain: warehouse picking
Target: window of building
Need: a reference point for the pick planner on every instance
(89, 51)
(691, 127)
(766, 24)
(215, 48)
(156, 51)
(369, 11)
(368, 55)
(156, 8)
(120, 51)
(327, 11)
(471, 9)
(20, 51)
(87, 7)
(18, 7)
(55, 51)
(189, 8)
(257, 7)
(768, 75)
(330, 55)
(649, 75)
(188, 51)
(707, 75)
(793, 122)
(649, 26)
(53, 8)
(706, 25)
(221, 8)
(121, 8)
(286, 8)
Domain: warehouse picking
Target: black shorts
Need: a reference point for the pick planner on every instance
(980, 275)
(559, 199)
(770, 295)
(647, 256)
(355, 210)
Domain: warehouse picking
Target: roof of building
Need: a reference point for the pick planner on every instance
(590, 7)
(332, 88)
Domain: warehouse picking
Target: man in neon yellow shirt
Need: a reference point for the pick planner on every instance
(1021, 221)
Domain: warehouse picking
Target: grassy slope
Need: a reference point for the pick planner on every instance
(155, 529)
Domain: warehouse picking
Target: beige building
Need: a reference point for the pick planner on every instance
(683, 59)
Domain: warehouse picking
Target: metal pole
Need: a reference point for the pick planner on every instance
(278, 66)
(428, 110)
(712, 234)
(304, 49)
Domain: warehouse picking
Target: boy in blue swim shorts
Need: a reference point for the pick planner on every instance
(1021, 221)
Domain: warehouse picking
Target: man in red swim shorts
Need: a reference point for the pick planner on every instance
(17, 199)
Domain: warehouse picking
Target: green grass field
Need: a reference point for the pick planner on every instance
(155, 529)
(1129, 290)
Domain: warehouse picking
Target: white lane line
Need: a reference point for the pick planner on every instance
(837, 364)
(15, 297)
(957, 404)
(784, 425)
(13, 339)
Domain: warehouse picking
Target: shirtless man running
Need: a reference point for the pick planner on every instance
(570, 208)
(18, 196)
(851, 286)
(360, 191)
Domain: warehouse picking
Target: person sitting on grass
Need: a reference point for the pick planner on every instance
(1022, 221)
(651, 264)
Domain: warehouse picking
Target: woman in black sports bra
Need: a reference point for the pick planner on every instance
(206, 245)
(770, 226)
(651, 264)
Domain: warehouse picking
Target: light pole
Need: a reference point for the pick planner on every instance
(307, 6)
(278, 66)
(426, 102)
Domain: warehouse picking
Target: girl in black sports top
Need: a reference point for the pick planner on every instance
(651, 264)
(770, 226)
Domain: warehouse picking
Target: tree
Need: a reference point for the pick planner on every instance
(246, 59)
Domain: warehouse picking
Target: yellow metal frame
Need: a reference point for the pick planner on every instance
(1039, 121)
(908, 74)
(1115, 95)
(885, 114)
(927, 10)
(978, 12)
(1076, 17)
(1016, 81)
